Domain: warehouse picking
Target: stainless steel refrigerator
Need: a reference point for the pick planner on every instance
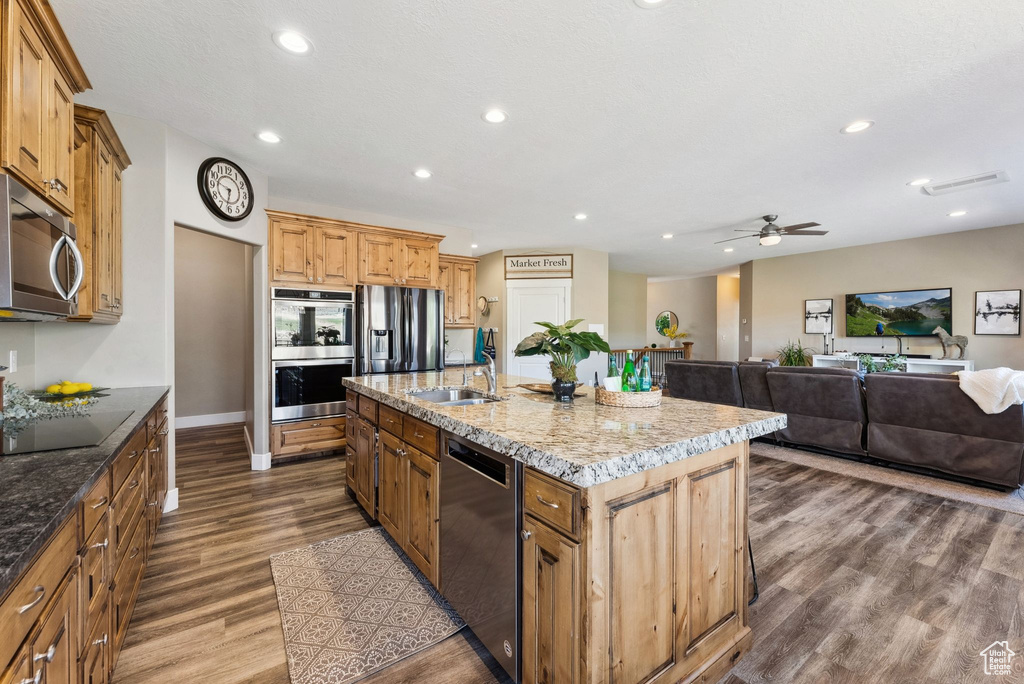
(401, 329)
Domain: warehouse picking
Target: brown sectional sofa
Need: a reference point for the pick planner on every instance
(913, 420)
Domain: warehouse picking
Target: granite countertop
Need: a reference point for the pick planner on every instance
(39, 490)
(583, 443)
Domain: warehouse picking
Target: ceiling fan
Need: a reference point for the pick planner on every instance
(772, 234)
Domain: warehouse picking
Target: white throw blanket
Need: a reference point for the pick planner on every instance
(994, 389)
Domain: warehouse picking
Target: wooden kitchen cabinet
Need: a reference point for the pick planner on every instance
(291, 253)
(457, 277)
(418, 265)
(303, 437)
(56, 643)
(100, 159)
(392, 487)
(550, 645)
(365, 470)
(393, 260)
(422, 520)
(334, 252)
(41, 76)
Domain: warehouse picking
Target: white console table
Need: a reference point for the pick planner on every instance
(913, 365)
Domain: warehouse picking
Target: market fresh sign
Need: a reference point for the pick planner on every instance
(538, 266)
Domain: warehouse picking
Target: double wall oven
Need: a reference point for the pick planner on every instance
(314, 347)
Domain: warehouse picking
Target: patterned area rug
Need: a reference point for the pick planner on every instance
(351, 606)
(1012, 502)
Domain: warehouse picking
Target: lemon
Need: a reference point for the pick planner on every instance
(53, 389)
(70, 388)
(84, 387)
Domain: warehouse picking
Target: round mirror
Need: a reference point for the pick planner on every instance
(665, 320)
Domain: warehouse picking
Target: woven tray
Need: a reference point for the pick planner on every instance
(628, 399)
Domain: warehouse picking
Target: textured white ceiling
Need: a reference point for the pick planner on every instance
(695, 118)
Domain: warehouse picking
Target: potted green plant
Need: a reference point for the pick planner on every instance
(566, 347)
(795, 354)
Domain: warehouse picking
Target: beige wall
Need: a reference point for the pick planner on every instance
(989, 259)
(728, 318)
(211, 317)
(490, 282)
(627, 310)
(695, 302)
(21, 337)
(746, 309)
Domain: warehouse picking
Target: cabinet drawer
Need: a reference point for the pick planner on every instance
(95, 575)
(128, 506)
(152, 422)
(308, 436)
(36, 588)
(94, 505)
(350, 425)
(420, 435)
(368, 408)
(126, 583)
(128, 459)
(553, 502)
(96, 651)
(390, 420)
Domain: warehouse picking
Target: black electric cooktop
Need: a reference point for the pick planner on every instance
(64, 433)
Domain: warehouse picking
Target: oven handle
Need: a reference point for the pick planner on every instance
(54, 276)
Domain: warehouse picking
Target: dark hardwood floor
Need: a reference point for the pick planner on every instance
(860, 582)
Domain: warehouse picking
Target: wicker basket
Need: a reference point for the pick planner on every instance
(628, 399)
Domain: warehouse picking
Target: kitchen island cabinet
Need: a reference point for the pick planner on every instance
(633, 525)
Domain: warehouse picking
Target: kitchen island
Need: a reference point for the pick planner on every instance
(633, 521)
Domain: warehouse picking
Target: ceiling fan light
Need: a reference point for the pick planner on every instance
(769, 240)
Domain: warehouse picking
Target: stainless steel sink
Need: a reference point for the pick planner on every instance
(462, 396)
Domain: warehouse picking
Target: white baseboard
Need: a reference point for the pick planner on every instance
(171, 502)
(260, 461)
(183, 422)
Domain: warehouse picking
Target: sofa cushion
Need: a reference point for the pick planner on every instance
(825, 407)
(926, 420)
(716, 382)
(754, 383)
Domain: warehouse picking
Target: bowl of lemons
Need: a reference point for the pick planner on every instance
(66, 388)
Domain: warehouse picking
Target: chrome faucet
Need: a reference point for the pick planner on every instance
(465, 378)
(492, 375)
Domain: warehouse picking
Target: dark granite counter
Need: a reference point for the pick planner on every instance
(38, 491)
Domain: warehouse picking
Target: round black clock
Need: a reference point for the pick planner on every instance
(225, 189)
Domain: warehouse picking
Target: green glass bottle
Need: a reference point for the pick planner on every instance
(629, 373)
(613, 367)
(645, 375)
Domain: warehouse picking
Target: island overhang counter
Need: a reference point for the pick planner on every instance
(633, 527)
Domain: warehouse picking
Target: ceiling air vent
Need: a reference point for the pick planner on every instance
(946, 187)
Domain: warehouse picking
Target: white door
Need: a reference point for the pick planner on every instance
(530, 301)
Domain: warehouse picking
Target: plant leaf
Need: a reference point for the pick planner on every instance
(573, 323)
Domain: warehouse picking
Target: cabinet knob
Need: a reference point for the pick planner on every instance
(525, 534)
(310, 278)
(319, 280)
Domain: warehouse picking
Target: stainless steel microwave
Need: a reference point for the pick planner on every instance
(41, 268)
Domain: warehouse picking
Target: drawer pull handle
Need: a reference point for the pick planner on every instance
(546, 503)
(134, 453)
(101, 502)
(525, 534)
(41, 590)
(417, 435)
(34, 680)
(135, 483)
(153, 503)
(49, 654)
(134, 553)
(101, 545)
(155, 450)
(164, 432)
(315, 424)
(100, 642)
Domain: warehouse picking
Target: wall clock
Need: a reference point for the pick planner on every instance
(225, 189)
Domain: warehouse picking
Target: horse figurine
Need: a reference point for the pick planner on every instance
(947, 341)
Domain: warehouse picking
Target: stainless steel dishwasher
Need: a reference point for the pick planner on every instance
(480, 546)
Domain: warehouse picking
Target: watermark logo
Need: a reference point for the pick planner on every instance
(997, 658)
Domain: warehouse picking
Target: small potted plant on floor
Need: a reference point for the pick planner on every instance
(566, 347)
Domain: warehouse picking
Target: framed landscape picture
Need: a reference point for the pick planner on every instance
(997, 312)
(818, 316)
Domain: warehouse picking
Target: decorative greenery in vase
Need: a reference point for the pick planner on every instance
(795, 354)
(566, 347)
(893, 362)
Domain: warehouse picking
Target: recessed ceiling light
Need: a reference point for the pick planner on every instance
(580, 217)
(728, 249)
(474, 246)
(650, 4)
(666, 236)
(919, 182)
(495, 116)
(957, 213)
(422, 173)
(293, 42)
(268, 137)
(857, 126)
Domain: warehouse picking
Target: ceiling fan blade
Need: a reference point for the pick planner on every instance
(806, 232)
(801, 226)
(741, 237)
(741, 230)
